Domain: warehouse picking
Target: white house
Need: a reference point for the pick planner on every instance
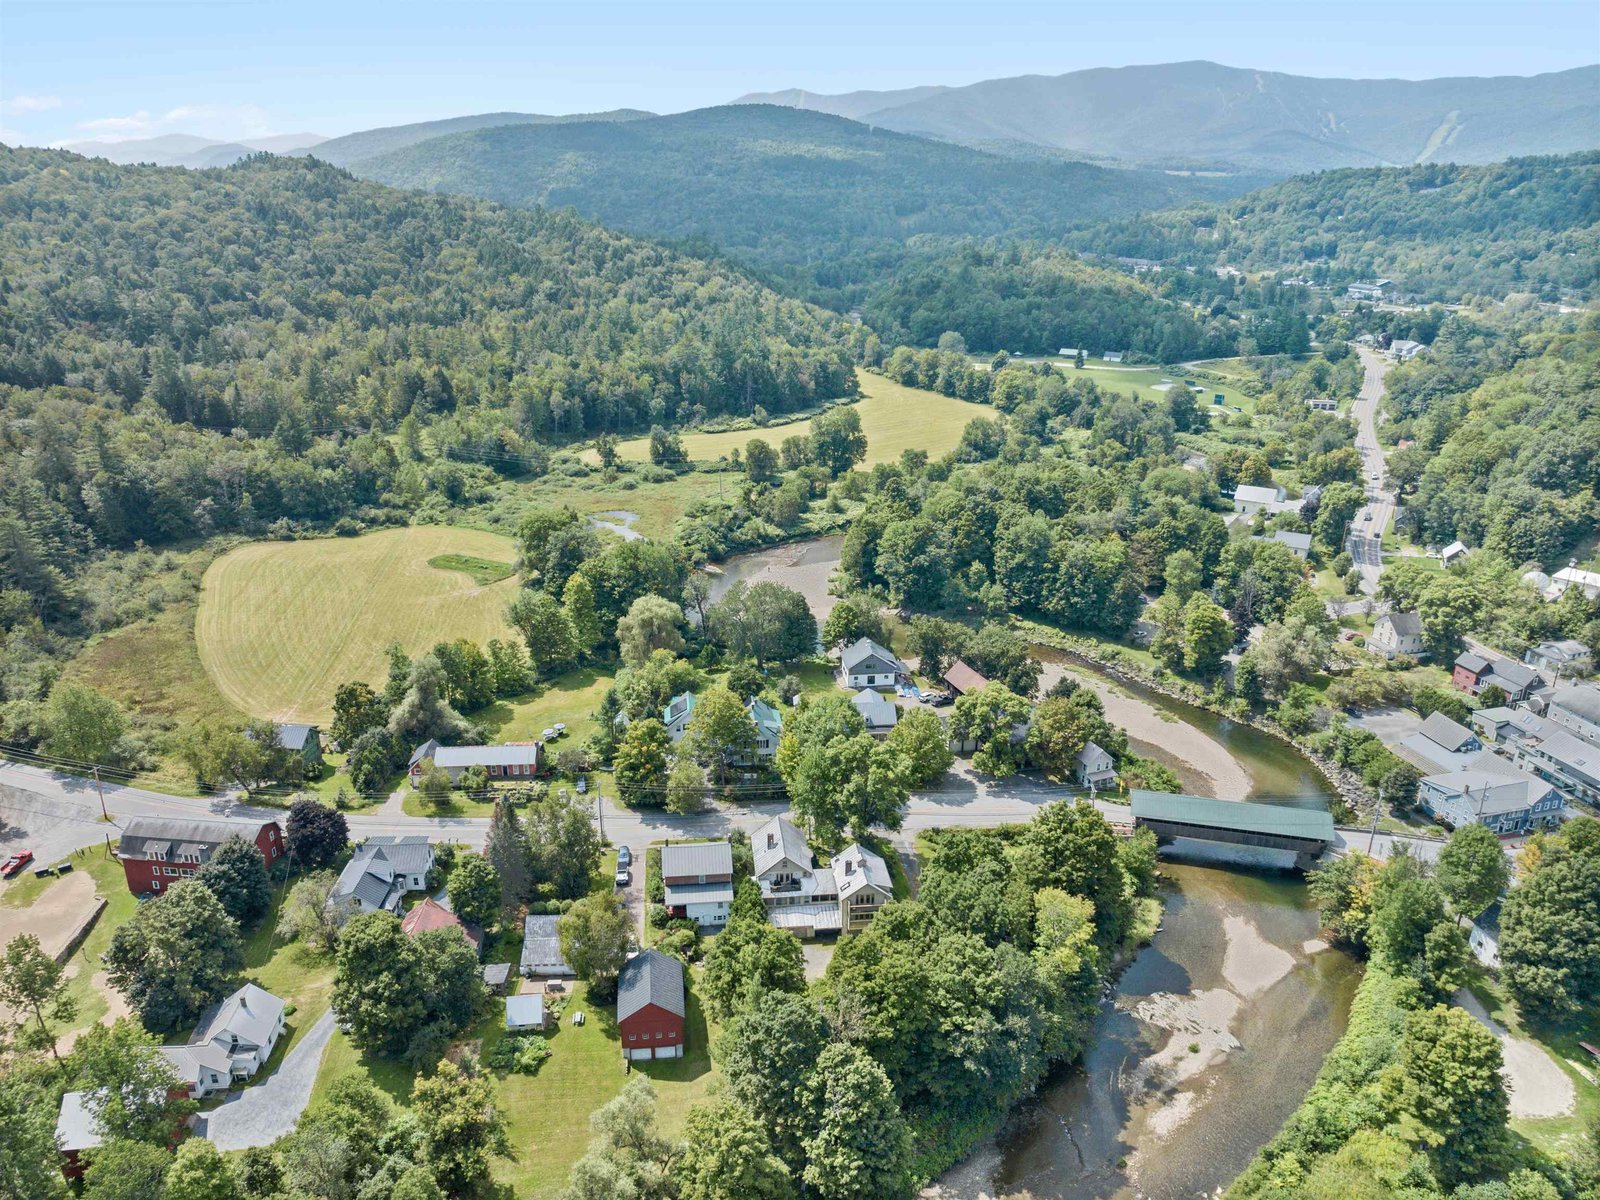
(767, 720)
(541, 949)
(1572, 577)
(1440, 745)
(1402, 350)
(1508, 726)
(1568, 762)
(1249, 498)
(234, 1040)
(1454, 551)
(1394, 634)
(1368, 289)
(382, 871)
(842, 897)
(1112, 356)
(865, 664)
(1094, 767)
(877, 710)
(1322, 404)
(698, 880)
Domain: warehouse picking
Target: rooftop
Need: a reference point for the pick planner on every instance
(650, 977)
(694, 859)
(777, 840)
(1281, 820)
(964, 679)
(541, 947)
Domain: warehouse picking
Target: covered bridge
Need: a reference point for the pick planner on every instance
(1305, 832)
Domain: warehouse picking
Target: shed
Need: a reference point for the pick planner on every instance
(524, 1012)
(963, 680)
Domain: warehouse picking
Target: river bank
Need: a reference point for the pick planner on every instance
(1236, 989)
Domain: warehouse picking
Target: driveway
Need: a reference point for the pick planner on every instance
(269, 1107)
(1388, 725)
(1365, 541)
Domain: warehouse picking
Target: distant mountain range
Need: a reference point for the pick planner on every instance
(1203, 115)
(369, 143)
(187, 150)
(814, 197)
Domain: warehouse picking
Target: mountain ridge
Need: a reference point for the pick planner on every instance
(1203, 113)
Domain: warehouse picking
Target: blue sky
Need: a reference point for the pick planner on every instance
(73, 70)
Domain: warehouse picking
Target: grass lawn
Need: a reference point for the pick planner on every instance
(482, 571)
(1556, 1133)
(658, 505)
(894, 418)
(288, 970)
(548, 1112)
(282, 624)
(1146, 383)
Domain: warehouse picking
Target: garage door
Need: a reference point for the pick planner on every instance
(637, 1055)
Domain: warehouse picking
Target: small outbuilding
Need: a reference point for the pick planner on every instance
(963, 680)
(524, 1013)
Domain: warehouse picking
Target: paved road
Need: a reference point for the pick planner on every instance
(269, 1107)
(1366, 533)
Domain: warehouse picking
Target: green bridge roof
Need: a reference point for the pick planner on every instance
(1280, 820)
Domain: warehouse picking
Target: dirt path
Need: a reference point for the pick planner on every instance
(1539, 1088)
(1224, 773)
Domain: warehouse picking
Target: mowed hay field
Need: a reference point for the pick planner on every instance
(282, 624)
(894, 418)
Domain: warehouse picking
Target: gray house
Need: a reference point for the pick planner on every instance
(865, 664)
(382, 871)
(1497, 795)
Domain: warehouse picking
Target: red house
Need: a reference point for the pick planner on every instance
(1469, 671)
(157, 852)
(650, 1006)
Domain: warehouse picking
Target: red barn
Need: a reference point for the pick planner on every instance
(650, 1006)
(157, 852)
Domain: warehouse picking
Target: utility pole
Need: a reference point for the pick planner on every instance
(600, 815)
(1377, 812)
(104, 816)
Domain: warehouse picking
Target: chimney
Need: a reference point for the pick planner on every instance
(772, 840)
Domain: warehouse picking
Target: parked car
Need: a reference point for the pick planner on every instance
(583, 784)
(15, 863)
(623, 877)
(624, 857)
(938, 699)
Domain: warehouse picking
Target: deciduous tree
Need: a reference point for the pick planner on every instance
(861, 1149)
(176, 955)
(475, 891)
(596, 935)
(462, 1128)
(640, 764)
(237, 877)
(34, 987)
(316, 834)
(652, 623)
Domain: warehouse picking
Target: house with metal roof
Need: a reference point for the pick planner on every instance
(78, 1129)
(698, 881)
(1252, 498)
(524, 1013)
(1577, 708)
(1491, 792)
(1573, 577)
(245, 1027)
(1567, 761)
(156, 852)
(800, 897)
(1299, 543)
(864, 884)
(769, 725)
(1440, 745)
(1454, 551)
(541, 949)
(677, 715)
(382, 871)
(651, 1006)
(865, 664)
(516, 760)
(877, 710)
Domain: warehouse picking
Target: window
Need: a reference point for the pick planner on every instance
(170, 870)
(274, 852)
(659, 1035)
(155, 885)
(186, 871)
(632, 1038)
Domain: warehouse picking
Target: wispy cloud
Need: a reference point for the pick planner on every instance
(220, 121)
(18, 105)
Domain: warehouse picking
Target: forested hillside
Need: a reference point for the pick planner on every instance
(1440, 231)
(1504, 421)
(368, 143)
(183, 354)
(1206, 114)
(822, 202)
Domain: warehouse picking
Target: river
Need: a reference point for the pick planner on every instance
(1215, 1031)
(1213, 1037)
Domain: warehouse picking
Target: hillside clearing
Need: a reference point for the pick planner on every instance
(893, 416)
(282, 624)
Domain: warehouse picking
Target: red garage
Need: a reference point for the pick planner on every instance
(157, 852)
(650, 1006)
